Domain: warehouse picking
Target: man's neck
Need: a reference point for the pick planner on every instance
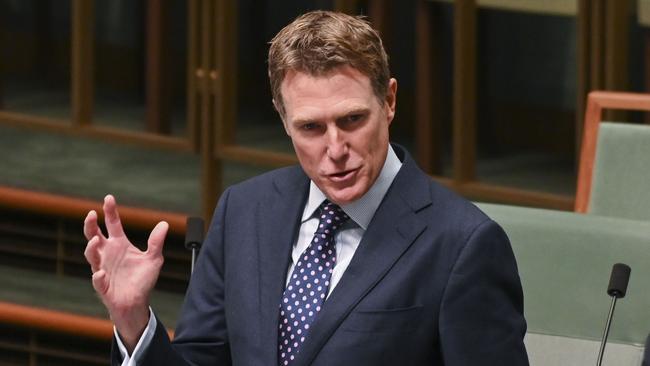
(363, 209)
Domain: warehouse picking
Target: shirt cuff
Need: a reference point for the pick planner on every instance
(142, 345)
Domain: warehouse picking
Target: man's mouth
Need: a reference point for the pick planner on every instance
(342, 175)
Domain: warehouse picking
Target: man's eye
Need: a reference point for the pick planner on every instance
(355, 117)
(308, 126)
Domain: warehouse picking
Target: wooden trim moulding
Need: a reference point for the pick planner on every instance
(57, 321)
(478, 191)
(514, 196)
(193, 102)
(211, 171)
(222, 78)
(77, 208)
(99, 132)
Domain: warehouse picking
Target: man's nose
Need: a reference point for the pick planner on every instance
(337, 147)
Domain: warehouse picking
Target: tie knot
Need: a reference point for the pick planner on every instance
(331, 218)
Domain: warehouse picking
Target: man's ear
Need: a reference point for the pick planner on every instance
(275, 105)
(391, 98)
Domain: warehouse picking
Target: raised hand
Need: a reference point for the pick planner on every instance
(123, 275)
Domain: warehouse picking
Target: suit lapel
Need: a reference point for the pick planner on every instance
(392, 230)
(278, 220)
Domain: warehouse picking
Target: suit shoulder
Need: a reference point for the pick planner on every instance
(454, 210)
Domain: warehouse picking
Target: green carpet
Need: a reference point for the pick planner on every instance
(91, 168)
(72, 295)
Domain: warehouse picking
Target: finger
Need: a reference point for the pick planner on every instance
(157, 238)
(90, 226)
(92, 253)
(99, 282)
(112, 217)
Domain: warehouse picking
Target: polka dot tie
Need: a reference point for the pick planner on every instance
(308, 284)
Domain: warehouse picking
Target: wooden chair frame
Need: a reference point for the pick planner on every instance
(597, 101)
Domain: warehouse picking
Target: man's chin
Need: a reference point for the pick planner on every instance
(344, 196)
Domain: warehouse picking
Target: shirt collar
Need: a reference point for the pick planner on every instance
(362, 210)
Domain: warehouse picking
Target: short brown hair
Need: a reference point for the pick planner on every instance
(319, 41)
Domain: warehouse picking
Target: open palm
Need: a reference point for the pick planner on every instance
(123, 275)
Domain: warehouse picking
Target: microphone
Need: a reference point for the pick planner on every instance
(616, 289)
(194, 236)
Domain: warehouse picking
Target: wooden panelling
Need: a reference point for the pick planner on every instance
(428, 142)
(213, 32)
(464, 102)
(83, 22)
(157, 89)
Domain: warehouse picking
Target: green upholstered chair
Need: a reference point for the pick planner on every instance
(565, 260)
(614, 174)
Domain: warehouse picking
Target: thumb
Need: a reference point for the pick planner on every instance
(99, 282)
(157, 238)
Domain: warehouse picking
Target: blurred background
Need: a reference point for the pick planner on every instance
(166, 103)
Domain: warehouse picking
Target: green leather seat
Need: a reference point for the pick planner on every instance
(565, 261)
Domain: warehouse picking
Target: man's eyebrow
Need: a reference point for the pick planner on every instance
(356, 110)
(348, 112)
(300, 121)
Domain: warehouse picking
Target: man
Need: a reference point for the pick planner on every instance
(355, 257)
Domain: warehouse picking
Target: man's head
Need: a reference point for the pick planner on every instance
(331, 85)
(319, 41)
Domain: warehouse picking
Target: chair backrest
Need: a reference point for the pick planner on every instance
(614, 160)
(620, 183)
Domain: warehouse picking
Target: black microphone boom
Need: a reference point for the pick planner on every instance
(194, 236)
(617, 287)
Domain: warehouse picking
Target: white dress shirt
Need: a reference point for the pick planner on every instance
(347, 239)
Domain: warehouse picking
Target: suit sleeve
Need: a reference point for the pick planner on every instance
(481, 316)
(201, 336)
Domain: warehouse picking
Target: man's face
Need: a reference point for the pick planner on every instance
(339, 129)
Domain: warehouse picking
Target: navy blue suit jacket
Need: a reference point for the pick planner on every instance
(433, 282)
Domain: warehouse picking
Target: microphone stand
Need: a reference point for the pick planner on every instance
(606, 333)
(617, 287)
(194, 237)
(193, 247)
